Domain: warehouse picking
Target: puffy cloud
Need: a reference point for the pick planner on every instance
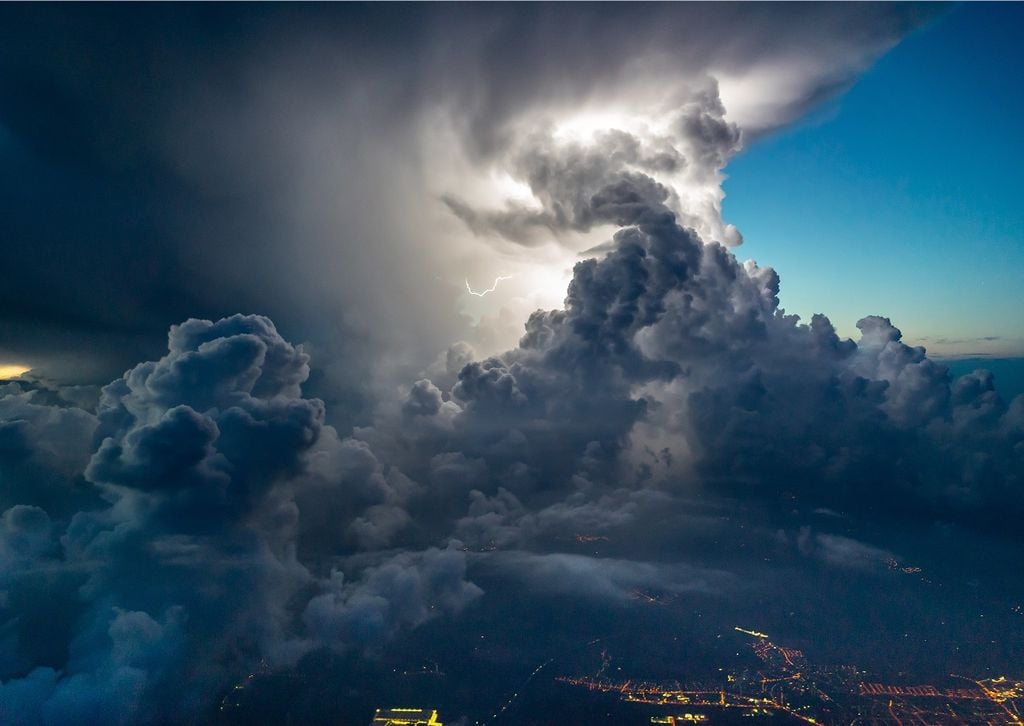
(26, 533)
(610, 176)
(46, 443)
(571, 181)
(202, 514)
(206, 459)
(670, 335)
(405, 590)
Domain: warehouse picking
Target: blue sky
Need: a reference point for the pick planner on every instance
(902, 197)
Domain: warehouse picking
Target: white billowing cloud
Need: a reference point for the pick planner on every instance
(296, 164)
(351, 166)
(688, 111)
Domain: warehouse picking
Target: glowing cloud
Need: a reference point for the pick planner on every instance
(12, 370)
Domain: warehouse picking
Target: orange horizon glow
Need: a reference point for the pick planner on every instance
(10, 370)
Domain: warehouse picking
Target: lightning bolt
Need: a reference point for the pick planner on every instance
(492, 288)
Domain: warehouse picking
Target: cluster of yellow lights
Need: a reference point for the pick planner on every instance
(12, 371)
(406, 717)
(752, 632)
(1002, 689)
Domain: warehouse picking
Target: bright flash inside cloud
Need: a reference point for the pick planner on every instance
(585, 125)
(548, 284)
(512, 190)
(10, 370)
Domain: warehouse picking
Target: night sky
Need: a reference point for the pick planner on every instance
(353, 354)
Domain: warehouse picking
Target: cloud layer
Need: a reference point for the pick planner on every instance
(238, 499)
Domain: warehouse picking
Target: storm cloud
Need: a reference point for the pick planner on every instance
(343, 469)
(192, 555)
(176, 162)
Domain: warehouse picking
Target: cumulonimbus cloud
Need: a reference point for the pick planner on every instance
(203, 510)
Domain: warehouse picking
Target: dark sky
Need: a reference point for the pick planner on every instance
(268, 428)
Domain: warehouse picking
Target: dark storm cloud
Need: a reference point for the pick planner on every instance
(668, 324)
(192, 552)
(236, 525)
(566, 182)
(45, 446)
(203, 515)
(177, 161)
